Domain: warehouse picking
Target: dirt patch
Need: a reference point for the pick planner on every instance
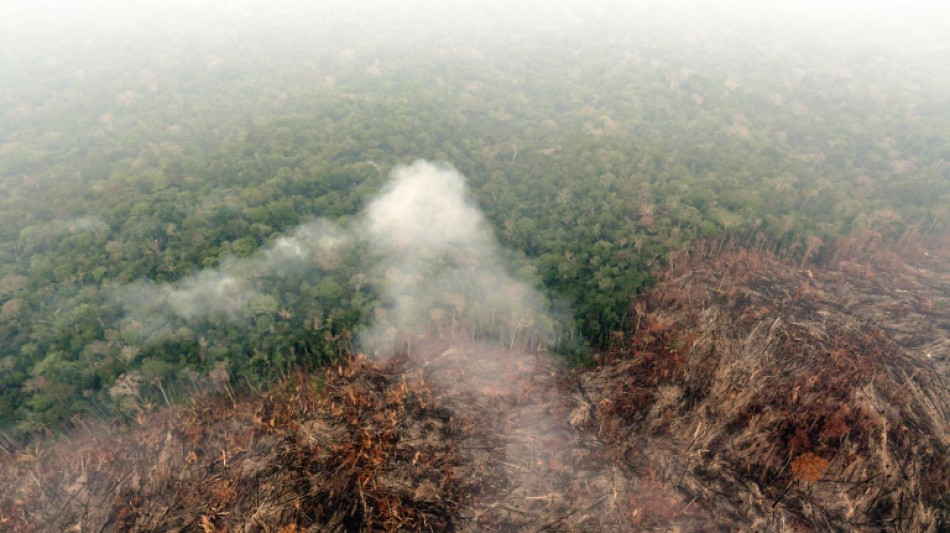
(525, 467)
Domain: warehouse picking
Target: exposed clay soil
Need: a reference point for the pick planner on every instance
(751, 393)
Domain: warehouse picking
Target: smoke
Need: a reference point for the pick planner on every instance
(235, 290)
(92, 224)
(445, 298)
(153, 308)
(422, 243)
(441, 266)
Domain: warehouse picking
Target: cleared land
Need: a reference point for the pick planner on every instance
(750, 392)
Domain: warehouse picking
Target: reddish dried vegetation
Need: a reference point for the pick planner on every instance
(365, 449)
(750, 394)
(783, 397)
(461, 437)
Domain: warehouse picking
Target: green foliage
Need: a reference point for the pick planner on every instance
(592, 161)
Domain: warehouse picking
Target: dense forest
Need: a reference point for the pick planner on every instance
(137, 163)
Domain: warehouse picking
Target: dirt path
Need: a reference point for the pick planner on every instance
(531, 469)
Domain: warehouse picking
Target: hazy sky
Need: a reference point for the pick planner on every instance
(58, 36)
(50, 19)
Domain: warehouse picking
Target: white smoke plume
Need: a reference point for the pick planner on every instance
(433, 259)
(236, 288)
(446, 301)
(151, 307)
(441, 269)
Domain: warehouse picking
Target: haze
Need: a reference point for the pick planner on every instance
(162, 164)
(116, 29)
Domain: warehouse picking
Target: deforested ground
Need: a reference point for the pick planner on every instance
(751, 392)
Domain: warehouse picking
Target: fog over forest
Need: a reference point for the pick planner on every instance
(98, 31)
(604, 265)
(156, 158)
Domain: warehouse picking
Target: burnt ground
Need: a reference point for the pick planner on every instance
(790, 397)
(751, 393)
